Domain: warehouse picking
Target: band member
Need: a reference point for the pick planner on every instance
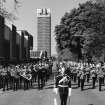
(78, 77)
(34, 73)
(40, 75)
(27, 79)
(82, 80)
(94, 78)
(3, 74)
(100, 76)
(63, 84)
(74, 75)
(88, 75)
(16, 79)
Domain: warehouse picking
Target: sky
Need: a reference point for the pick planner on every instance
(27, 13)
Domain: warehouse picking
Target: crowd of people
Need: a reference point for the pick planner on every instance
(85, 73)
(23, 76)
(69, 73)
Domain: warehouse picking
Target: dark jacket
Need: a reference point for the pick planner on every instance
(63, 81)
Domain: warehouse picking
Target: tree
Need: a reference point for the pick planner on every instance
(5, 12)
(98, 1)
(82, 30)
(66, 54)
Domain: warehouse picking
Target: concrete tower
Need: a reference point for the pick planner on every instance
(44, 30)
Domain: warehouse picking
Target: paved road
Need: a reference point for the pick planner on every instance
(46, 96)
(28, 97)
(87, 97)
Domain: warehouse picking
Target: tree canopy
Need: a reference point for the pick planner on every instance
(82, 30)
(5, 12)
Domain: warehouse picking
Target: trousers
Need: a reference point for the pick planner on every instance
(63, 92)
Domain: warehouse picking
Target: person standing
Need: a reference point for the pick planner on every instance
(82, 80)
(94, 78)
(100, 77)
(4, 75)
(87, 75)
(78, 77)
(40, 75)
(63, 85)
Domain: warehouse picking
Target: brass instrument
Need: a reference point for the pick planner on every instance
(26, 76)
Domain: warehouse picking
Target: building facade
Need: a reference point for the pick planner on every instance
(44, 30)
(14, 47)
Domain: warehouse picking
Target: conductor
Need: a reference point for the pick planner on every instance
(63, 84)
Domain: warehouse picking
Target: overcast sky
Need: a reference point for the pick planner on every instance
(28, 20)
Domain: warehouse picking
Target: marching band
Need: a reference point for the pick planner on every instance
(81, 73)
(63, 84)
(24, 75)
(67, 72)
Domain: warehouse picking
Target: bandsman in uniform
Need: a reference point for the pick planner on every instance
(78, 77)
(27, 78)
(0, 76)
(63, 84)
(82, 79)
(87, 74)
(4, 75)
(94, 77)
(75, 75)
(16, 79)
(100, 77)
(40, 75)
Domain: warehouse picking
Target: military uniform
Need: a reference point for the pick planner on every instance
(40, 76)
(75, 75)
(78, 77)
(100, 77)
(4, 75)
(94, 77)
(82, 80)
(63, 83)
(27, 79)
(16, 80)
(88, 76)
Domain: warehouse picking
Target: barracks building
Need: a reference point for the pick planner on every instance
(14, 46)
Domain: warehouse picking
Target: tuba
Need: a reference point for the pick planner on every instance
(26, 76)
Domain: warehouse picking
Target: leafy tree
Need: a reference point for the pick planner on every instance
(66, 54)
(5, 13)
(82, 30)
(98, 1)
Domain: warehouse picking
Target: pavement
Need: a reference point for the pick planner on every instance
(27, 97)
(47, 96)
(87, 97)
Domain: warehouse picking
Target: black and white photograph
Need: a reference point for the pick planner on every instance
(52, 52)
